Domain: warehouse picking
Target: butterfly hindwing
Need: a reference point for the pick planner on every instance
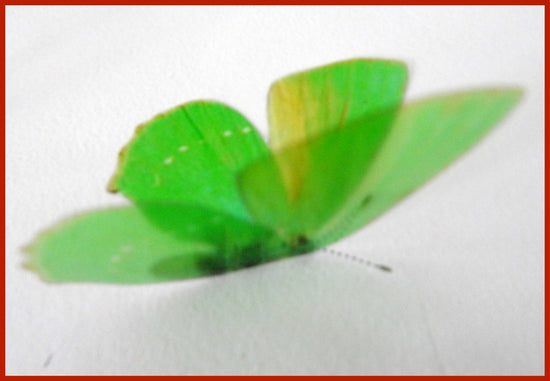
(425, 137)
(150, 243)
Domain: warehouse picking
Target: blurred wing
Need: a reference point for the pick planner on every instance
(156, 243)
(189, 155)
(426, 136)
(336, 164)
(310, 103)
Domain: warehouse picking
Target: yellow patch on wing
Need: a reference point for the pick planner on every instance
(288, 116)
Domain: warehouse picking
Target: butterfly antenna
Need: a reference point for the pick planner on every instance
(357, 259)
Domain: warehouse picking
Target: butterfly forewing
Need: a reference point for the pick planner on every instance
(189, 155)
(308, 104)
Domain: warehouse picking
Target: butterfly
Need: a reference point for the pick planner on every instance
(209, 195)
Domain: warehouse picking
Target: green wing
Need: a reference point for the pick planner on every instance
(354, 174)
(335, 165)
(307, 104)
(189, 155)
(426, 136)
(152, 244)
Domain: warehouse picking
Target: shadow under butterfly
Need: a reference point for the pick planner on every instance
(211, 197)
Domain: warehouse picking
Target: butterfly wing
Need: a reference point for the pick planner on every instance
(152, 243)
(189, 221)
(189, 155)
(354, 174)
(426, 136)
(307, 104)
(336, 163)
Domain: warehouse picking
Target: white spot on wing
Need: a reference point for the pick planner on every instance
(124, 250)
(127, 248)
(168, 160)
(183, 148)
(227, 133)
(246, 130)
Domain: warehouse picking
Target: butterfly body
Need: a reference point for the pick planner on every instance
(211, 196)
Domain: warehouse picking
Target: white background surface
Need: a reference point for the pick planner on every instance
(466, 293)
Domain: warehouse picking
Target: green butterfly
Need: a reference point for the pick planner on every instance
(209, 196)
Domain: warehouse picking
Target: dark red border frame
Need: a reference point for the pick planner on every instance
(3, 137)
(249, 2)
(274, 2)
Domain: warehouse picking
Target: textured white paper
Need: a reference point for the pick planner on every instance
(467, 250)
